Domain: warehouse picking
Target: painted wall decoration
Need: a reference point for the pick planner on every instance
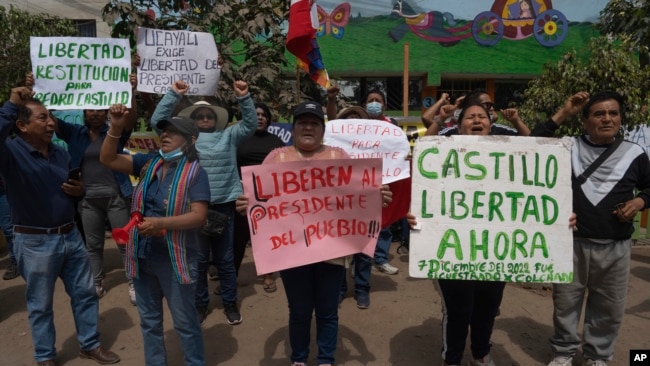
(333, 23)
(510, 19)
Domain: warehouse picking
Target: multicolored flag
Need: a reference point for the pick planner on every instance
(301, 40)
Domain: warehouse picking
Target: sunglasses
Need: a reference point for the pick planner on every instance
(204, 116)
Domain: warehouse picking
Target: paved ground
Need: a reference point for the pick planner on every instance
(402, 326)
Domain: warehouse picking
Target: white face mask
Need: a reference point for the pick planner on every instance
(172, 155)
(374, 109)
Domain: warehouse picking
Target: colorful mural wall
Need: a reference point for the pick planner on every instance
(509, 38)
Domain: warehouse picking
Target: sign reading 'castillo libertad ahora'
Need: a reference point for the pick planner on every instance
(81, 72)
(492, 208)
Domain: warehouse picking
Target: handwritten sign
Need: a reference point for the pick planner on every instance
(143, 142)
(282, 130)
(167, 56)
(310, 211)
(367, 138)
(492, 208)
(81, 72)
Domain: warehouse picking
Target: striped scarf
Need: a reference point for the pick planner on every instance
(178, 204)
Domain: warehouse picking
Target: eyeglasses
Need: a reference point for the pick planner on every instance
(488, 105)
(204, 116)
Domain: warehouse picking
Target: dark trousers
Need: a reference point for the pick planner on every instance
(468, 305)
(240, 238)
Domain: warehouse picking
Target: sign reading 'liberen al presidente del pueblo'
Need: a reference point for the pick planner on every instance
(167, 56)
(81, 72)
(493, 208)
(310, 211)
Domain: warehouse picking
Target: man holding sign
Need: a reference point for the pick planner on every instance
(305, 216)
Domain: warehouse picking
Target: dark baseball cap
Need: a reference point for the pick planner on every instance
(309, 107)
(184, 125)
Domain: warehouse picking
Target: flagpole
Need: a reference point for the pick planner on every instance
(405, 83)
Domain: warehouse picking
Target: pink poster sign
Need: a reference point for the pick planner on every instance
(310, 211)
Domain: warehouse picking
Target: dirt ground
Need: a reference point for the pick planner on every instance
(402, 326)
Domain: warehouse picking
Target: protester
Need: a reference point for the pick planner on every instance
(375, 104)
(47, 243)
(313, 287)
(107, 193)
(606, 202)
(217, 149)
(162, 251)
(481, 96)
(469, 304)
(252, 151)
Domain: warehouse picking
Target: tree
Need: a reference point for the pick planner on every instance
(16, 26)
(248, 34)
(609, 65)
(632, 18)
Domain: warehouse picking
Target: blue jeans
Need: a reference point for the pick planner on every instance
(156, 279)
(362, 270)
(224, 260)
(6, 226)
(383, 245)
(41, 260)
(313, 288)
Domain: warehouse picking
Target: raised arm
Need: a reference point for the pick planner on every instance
(429, 116)
(332, 92)
(168, 102)
(108, 155)
(512, 115)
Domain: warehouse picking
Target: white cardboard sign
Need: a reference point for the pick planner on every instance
(493, 208)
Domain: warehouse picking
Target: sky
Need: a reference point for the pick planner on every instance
(574, 10)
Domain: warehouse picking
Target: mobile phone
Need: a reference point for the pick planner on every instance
(75, 174)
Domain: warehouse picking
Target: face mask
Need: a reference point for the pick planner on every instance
(172, 155)
(373, 109)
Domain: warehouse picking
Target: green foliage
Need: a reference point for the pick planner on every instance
(631, 18)
(609, 65)
(16, 26)
(248, 35)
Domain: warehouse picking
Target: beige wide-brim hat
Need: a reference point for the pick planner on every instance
(221, 113)
(345, 112)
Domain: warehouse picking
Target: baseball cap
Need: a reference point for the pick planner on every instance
(309, 107)
(184, 125)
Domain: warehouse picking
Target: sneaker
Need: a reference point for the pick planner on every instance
(11, 272)
(363, 300)
(387, 268)
(485, 361)
(298, 364)
(202, 314)
(561, 361)
(590, 362)
(132, 294)
(232, 313)
(100, 291)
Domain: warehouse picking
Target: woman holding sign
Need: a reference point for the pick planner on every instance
(312, 288)
(469, 304)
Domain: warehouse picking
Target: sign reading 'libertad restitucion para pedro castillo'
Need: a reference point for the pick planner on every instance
(492, 208)
(81, 72)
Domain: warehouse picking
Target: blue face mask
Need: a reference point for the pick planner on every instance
(172, 155)
(373, 109)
